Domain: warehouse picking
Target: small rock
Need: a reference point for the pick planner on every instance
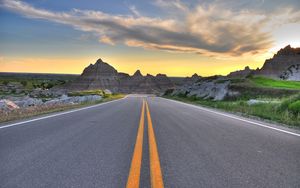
(107, 92)
(8, 105)
(28, 101)
(255, 101)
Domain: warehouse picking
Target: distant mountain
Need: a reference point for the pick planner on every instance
(284, 65)
(101, 75)
(194, 78)
(281, 64)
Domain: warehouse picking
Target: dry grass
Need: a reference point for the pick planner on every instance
(23, 113)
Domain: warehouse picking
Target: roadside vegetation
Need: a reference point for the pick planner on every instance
(284, 110)
(268, 82)
(20, 84)
(87, 92)
(22, 113)
(32, 87)
(266, 98)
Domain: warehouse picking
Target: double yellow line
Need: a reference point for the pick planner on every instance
(135, 168)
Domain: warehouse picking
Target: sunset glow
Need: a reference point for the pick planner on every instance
(177, 38)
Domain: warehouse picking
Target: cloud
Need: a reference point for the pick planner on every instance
(105, 39)
(133, 9)
(203, 29)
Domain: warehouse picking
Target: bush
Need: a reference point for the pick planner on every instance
(168, 91)
(49, 85)
(5, 82)
(24, 83)
(285, 104)
(295, 107)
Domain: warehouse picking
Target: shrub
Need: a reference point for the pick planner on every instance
(285, 104)
(5, 82)
(294, 107)
(24, 83)
(168, 91)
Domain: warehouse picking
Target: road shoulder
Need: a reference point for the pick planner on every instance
(242, 117)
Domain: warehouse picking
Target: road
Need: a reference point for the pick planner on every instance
(144, 141)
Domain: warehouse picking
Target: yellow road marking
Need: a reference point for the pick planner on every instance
(155, 170)
(135, 168)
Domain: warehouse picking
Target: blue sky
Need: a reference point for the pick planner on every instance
(199, 34)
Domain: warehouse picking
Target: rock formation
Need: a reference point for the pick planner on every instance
(194, 78)
(292, 73)
(276, 66)
(103, 76)
(206, 89)
(240, 73)
(100, 75)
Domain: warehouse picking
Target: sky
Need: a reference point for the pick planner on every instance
(178, 38)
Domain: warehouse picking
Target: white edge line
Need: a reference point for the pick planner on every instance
(59, 114)
(233, 117)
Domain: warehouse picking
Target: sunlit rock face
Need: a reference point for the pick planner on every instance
(97, 76)
(103, 76)
(276, 66)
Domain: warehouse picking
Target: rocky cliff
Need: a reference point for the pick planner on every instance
(292, 73)
(240, 73)
(205, 89)
(103, 76)
(280, 63)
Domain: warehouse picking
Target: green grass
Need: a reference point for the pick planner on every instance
(32, 81)
(94, 92)
(268, 82)
(295, 107)
(285, 111)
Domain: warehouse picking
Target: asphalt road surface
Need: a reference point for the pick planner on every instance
(145, 141)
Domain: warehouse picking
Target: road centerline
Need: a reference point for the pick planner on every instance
(135, 168)
(155, 169)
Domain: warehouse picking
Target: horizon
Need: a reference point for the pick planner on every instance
(175, 38)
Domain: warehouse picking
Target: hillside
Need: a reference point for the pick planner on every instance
(283, 65)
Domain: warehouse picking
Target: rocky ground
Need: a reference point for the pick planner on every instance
(204, 88)
(17, 107)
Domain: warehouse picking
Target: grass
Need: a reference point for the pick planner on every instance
(271, 83)
(295, 107)
(86, 92)
(94, 92)
(41, 110)
(287, 111)
(32, 81)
